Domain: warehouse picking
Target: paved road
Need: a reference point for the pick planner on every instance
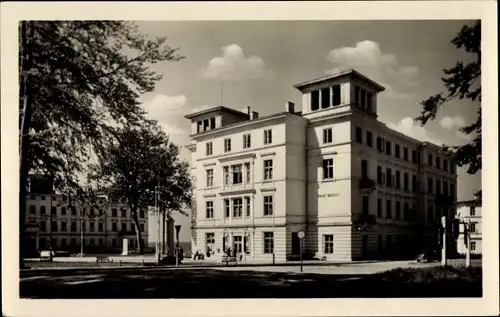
(259, 282)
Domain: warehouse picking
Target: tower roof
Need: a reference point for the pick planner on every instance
(347, 73)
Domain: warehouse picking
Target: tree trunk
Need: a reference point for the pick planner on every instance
(140, 243)
(24, 167)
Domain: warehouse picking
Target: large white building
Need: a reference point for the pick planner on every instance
(51, 222)
(357, 188)
(470, 212)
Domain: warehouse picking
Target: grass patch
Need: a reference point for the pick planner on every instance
(431, 275)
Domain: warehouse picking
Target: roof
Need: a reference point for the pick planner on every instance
(472, 202)
(346, 73)
(219, 108)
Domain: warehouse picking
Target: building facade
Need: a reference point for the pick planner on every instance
(357, 188)
(52, 223)
(470, 212)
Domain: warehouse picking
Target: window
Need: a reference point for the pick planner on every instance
(445, 188)
(248, 173)
(379, 208)
(315, 100)
(101, 242)
(124, 212)
(124, 226)
(101, 227)
(430, 214)
(328, 242)
(473, 246)
(472, 227)
(210, 240)
(365, 206)
(227, 208)
(429, 159)
(227, 176)
(73, 242)
(380, 144)
(227, 145)
(210, 148)
(328, 169)
(268, 169)
(405, 181)
(452, 191)
(327, 136)
(63, 211)
(398, 210)
(64, 227)
(52, 211)
(414, 183)
(445, 165)
(336, 95)
(113, 242)
(210, 178)
(42, 210)
(405, 153)
(209, 209)
(429, 186)
(237, 207)
(92, 227)
(397, 150)
(388, 148)
(389, 177)
(357, 96)
(92, 243)
(32, 209)
(472, 211)
(73, 226)
(268, 205)
(398, 179)
(142, 227)
(268, 136)
(237, 172)
(43, 226)
(414, 156)
(63, 242)
(364, 169)
(247, 206)
(369, 101)
(268, 242)
(363, 99)
(141, 213)
(438, 187)
(53, 226)
(246, 141)
(114, 226)
(369, 138)
(388, 209)
(380, 176)
(438, 162)
(114, 212)
(325, 98)
(359, 135)
(405, 211)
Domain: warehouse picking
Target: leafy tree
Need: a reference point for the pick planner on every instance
(142, 167)
(462, 81)
(78, 80)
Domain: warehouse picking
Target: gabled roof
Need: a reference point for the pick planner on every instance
(346, 73)
(218, 108)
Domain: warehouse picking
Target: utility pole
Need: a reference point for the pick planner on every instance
(443, 249)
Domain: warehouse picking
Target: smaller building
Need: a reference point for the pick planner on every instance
(470, 212)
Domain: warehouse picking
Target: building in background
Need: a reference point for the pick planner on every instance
(470, 211)
(356, 187)
(166, 232)
(51, 222)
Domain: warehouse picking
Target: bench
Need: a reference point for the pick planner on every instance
(228, 259)
(102, 259)
(46, 255)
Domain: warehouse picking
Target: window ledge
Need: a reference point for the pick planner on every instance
(267, 181)
(329, 180)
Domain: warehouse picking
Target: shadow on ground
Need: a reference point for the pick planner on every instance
(213, 283)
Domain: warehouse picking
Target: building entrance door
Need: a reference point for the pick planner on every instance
(238, 245)
(295, 243)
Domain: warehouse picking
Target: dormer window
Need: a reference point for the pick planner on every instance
(315, 100)
(363, 99)
(325, 98)
(206, 125)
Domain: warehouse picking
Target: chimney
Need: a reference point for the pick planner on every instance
(254, 115)
(290, 107)
(249, 111)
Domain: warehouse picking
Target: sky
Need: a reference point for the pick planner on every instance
(256, 63)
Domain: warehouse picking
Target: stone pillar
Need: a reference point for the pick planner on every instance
(125, 247)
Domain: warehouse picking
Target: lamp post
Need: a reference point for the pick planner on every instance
(177, 230)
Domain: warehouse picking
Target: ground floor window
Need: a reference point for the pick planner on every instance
(268, 242)
(210, 241)
(473, 246)
(328, 243)
(113, 242)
